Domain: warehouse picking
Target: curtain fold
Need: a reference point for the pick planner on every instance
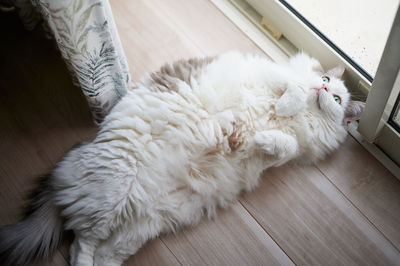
(88, 40)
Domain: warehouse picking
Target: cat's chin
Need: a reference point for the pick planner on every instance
(318, 102)
(322, 100)
(314, 100)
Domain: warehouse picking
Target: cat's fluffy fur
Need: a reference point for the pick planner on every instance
(186, 141)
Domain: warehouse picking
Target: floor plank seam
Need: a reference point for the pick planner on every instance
(352, 204)
(265, 230)
(162, 241)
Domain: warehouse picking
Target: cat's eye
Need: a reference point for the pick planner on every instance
(325, 79)
(337, 99)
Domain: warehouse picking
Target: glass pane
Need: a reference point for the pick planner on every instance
(358, 27)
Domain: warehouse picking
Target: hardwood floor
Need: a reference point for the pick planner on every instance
(342, 211)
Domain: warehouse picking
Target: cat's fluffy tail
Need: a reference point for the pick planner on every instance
(38, 235)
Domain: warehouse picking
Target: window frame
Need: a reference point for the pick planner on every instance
(375, 123)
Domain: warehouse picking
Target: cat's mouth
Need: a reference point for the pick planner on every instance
(323, 87)
(318, 92)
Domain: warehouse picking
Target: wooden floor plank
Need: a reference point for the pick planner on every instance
(313, 222)
(233, 238)
(153, 253)
(156, 32)
(148, 37)
(368, 184)
(204, 24)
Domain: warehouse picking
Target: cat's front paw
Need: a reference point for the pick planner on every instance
(265, 141)
(287, 107)
(291, 102)
(283, 108)
(277, 143)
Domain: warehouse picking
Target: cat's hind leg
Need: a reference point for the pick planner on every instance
(122, 243)
(82, 251)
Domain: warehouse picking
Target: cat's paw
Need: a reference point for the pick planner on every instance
(265, 141)
(291, 102)
(277, 143)
(284, 108)
(287, 107)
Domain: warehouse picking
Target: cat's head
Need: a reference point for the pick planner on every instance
(327, 93)
(329, 105)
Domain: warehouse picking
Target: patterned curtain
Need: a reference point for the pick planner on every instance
(87, 37)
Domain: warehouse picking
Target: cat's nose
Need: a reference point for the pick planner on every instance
(323, 87)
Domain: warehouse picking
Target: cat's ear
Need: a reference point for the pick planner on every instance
(336, 72)
(353, 111)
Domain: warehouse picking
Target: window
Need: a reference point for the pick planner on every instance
(358, 28)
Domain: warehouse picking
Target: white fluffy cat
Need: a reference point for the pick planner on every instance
(186, 141)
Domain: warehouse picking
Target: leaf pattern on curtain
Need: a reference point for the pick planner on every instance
(87, 37)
